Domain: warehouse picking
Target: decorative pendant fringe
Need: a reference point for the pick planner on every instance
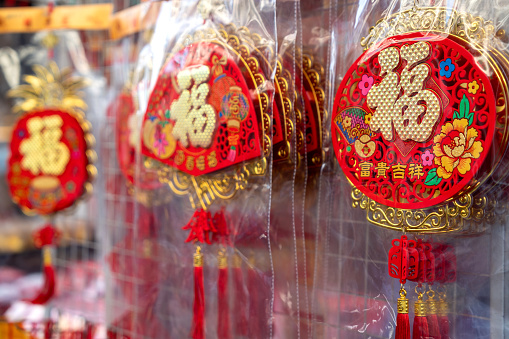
(48, 289)
(431, 316)
(48, 329)
(434, 330)
(256, 314)
(223, 312)
(198, 325)
(402, 320)
(421, 330)
(240, 301)
(443, 318)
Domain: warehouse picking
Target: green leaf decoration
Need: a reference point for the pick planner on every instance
(464, 106)
(167, 114)
(464, 112)
(432, 179)
(163, 123)
(470, 118)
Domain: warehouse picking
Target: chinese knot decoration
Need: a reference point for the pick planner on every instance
(414, 119)
(50, 166)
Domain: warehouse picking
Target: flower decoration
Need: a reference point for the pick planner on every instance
(160, 142)
(446, 68)
(427, 158)
(455, 147)
(473, 87)
(367, 118)
(366, 83)
(347, 122)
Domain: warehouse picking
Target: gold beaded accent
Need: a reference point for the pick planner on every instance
(403, 304)
(420, 305)
(46, 255)
(198, 258)
(222, 259)
(432, 304)
(442, 306)
(237, 261)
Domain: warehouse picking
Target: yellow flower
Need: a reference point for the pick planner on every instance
(473, 87)
(367, 118)
(455, 147)
(347, 122)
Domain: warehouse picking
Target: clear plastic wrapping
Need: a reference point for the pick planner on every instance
(359, 296)
(228, 292)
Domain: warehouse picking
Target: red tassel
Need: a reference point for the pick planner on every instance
(240, 301)
(402, 320)
(48, 329)
(421, 330)
(434, 330)
(402, 326)
(48, 288)
(223, 312)
(443, 323)
(255, 332)
(431, 316)
(198, 325)
(443, 318)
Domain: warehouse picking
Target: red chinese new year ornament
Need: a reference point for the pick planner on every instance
(50, 167)
(408, 131)
(419, 121)
(201, 115)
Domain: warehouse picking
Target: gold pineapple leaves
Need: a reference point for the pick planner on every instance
(49, 87)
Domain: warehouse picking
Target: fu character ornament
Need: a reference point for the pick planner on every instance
(206, 130)
(418, 123)
(50, 167)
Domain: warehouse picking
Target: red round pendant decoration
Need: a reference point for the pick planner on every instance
(48, 168)
(126, 128)
(413, 121)
(201, 116)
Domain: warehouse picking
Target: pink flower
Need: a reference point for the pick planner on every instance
(427, 158)
(160, 142)
(365, 84)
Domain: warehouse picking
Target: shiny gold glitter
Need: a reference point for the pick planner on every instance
(404, 112)
(43, 152)
(195, 120)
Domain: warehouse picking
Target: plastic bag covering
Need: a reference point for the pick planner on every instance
(356, 295)
(131, 247)
(78, 249)
(227, 293)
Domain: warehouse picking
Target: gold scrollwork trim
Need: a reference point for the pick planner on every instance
(466, 215)
(438, 19)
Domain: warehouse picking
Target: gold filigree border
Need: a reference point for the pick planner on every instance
(446, 20)
(313, 73)
(467, 214)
